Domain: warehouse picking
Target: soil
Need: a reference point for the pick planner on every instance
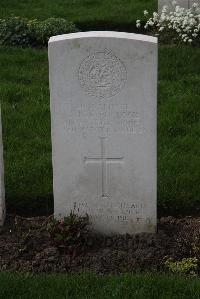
(25, 245)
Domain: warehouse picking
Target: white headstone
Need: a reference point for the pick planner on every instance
(103, 89)
(191, 2)
(2, 190)
(168, 3)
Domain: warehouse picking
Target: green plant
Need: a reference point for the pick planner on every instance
(69, 232)
(14, 31)
(184, 266)
(50, 27)
(17, 31)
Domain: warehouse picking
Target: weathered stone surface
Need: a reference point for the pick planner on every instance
(103, 89)
(2, 188)
(181, 3)
(191, 2)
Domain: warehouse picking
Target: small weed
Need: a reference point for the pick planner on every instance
(69, 233)
(184, 266)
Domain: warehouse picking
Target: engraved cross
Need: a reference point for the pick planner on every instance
(104, 161)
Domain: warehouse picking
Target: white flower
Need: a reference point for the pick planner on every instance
(145, 13)
(155, 15)
(151, 23)
(138, 23)
(185, 23)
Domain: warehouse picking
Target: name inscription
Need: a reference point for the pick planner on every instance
(102, 119)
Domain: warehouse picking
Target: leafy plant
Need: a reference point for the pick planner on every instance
(69, 232)
(50, 27)
(14, 31)
(184, 266)
(17, 31)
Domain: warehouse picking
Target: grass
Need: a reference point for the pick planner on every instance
(59, 286)
(26, 122)
(88, 14)
(26, 127)
(179, 130)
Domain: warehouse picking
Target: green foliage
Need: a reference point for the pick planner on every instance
(17, 31)
(69, 233)
(185, 266)
(50, 27)
(14, 31)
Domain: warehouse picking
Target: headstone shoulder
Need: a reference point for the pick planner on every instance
(104, 34)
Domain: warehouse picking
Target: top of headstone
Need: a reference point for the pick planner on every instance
(114, 34)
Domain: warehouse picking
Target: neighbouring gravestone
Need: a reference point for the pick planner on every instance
(103, 88)
(168, 3)
(2, 190)
(182, 3)
(191, 2)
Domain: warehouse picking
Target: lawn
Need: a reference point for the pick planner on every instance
(88, 14)
(26, 127)
(58, 286)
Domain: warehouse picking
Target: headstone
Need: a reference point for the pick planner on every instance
(103, 89)
(191, 2)
(168, 3)
(2, 190)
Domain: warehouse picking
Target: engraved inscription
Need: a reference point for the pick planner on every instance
(102, 119)
(102, 74)
(106, 210)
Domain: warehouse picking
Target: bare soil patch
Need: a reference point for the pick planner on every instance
(25, 245)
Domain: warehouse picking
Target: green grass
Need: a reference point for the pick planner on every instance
(179, 130)
(26, 127)
(88, 14)
(58, 286)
